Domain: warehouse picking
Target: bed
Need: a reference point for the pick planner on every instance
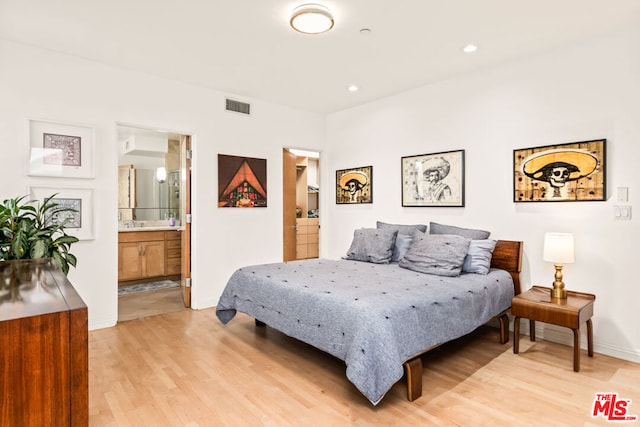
(379, 318)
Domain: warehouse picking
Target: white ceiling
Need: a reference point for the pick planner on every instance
(246, 49)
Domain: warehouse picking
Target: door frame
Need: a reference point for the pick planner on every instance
(186, 248)
(296, 152)
(289, 226)
(186, 155)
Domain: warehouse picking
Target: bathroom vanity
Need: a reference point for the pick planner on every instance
(149, 254)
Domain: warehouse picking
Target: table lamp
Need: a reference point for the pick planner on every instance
(558, 249)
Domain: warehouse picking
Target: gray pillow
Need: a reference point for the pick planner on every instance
(478, 259)
(372, 245)
(439, 254)
(435, 228)
(404, 238)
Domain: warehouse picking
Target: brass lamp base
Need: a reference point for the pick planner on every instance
(558, 291)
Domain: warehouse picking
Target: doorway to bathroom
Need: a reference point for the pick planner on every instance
(154, 227)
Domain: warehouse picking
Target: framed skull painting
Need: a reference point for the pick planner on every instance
(435, 179)
(560, 173)
(354, 185)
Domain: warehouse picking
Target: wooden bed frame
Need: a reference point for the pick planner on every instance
(506, 256)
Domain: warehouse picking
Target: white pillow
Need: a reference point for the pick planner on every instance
(478, 259)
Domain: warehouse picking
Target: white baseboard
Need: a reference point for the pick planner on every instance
(560, 335)
(102, 324)
(204, 304)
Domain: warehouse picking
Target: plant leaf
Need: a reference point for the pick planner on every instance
(39, 249)
(61, 262)
(65, 239)
(71, 259)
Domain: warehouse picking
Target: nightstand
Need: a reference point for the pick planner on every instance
(537, 304)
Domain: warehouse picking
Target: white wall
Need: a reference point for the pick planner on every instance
(586, 91)
(38, 84)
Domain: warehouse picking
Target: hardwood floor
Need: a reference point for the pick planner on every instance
(152, 303)
(186, 369)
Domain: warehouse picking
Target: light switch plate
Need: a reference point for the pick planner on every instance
(623, 194)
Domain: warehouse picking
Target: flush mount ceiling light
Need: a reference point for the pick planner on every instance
(470, 48)
(311, 19)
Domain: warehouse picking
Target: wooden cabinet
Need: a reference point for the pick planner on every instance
(149, 255)
(173, 256)
(141, 255)
(307, 238)
(43, 347)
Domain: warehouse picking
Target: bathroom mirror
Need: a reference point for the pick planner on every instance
(149, 175)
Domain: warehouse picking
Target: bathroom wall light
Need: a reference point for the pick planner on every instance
(311, 19)
(161, 174)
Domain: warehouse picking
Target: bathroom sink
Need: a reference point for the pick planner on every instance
(150, 228)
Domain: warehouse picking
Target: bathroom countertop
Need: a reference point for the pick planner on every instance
(150, 228)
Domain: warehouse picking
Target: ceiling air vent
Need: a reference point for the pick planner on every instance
(238, 107)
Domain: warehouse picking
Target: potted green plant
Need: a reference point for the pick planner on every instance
(28, 232)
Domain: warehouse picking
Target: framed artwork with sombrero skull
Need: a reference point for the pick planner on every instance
(354, 185)
(433, 179)
(560, 173)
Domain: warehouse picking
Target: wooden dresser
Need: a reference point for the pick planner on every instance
(43, 347)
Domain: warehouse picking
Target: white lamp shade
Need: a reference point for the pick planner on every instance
(311, 19)
(161, 174)
(558, 248)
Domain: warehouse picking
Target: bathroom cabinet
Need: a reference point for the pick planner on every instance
(173, 254)
(141, 255)
(149, 255)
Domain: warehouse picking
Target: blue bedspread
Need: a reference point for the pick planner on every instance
(374, 317)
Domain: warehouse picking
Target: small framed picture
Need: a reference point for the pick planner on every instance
(80, 220)
(242, 182)
(433, 179)
(354, 185)
(572, 172)
(60, 150)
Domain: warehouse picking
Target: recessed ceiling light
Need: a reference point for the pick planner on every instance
(365, 31)
(470, 48)
(352, 88)
(311, 19)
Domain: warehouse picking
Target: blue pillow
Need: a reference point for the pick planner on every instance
(402, 245)
(470, 233)
(403, 239)
(438, 254)
(478, 259)
(372, 245)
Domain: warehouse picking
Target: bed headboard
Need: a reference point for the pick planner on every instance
(508, 256)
